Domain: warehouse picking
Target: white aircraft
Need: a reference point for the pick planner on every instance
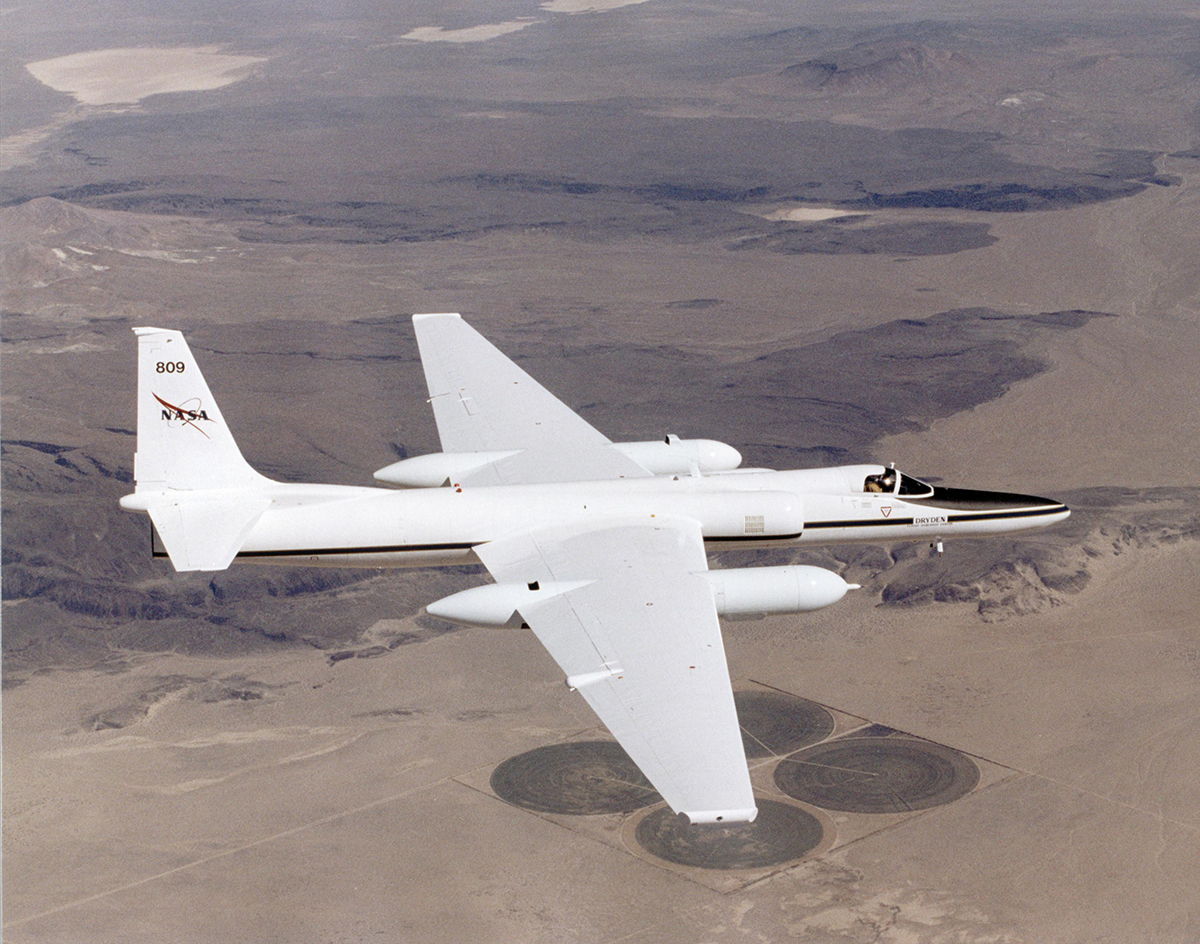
(599, 547)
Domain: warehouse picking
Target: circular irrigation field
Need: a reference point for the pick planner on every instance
(580, 778)
(877, 775)
(774, 723)
(779, 833)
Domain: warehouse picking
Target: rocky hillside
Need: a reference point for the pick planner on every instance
(881, 67)
(46, 240)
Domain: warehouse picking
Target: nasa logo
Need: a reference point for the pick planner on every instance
(187, 414)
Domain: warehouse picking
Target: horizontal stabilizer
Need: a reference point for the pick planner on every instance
(205, 533)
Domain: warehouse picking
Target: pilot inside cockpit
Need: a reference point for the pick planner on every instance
(884, 482)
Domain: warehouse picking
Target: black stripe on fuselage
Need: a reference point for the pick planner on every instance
(347, 551)
(721, 539)
(466, 545)
(950, 518)
(990, 515)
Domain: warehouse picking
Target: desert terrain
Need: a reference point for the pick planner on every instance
(957, 237)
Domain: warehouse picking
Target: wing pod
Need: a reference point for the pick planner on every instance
(498, 604)
(670, 456)
(753, 592)
(675, 456)
(438, 468)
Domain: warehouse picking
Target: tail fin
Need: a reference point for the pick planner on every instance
(182, 441)
(202, 496)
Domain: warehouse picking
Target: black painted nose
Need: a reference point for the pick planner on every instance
(970, 499)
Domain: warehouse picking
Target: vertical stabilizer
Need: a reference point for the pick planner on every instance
(182, 440)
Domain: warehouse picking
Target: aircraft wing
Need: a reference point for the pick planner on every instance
(483, 402)
(641, 642)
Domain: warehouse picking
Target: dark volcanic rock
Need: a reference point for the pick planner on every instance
(882, 67)
(840, 237)
(670, 178)
(1008, 577)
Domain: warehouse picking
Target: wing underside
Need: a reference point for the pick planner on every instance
(484, 403)
(641, 642)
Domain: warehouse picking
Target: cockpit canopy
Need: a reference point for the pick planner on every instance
(892, 482)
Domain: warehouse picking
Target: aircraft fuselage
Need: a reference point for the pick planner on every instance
(330, 525)
(599, 548)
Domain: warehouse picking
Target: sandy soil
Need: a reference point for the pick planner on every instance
(469, 34)
(586, 6)
(1084, 713)
(117, 76)
(805, 214)
(1134, 258)
(22, 148)
(285, 795)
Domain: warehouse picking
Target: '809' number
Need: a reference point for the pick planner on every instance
(169, 367)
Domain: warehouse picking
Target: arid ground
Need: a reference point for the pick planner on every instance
(960, 237)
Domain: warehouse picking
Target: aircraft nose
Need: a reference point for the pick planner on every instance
(1033, 502)
(1045, 506)
(972, 500)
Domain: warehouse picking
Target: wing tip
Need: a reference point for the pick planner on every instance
(718, 817)
(440, 314)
